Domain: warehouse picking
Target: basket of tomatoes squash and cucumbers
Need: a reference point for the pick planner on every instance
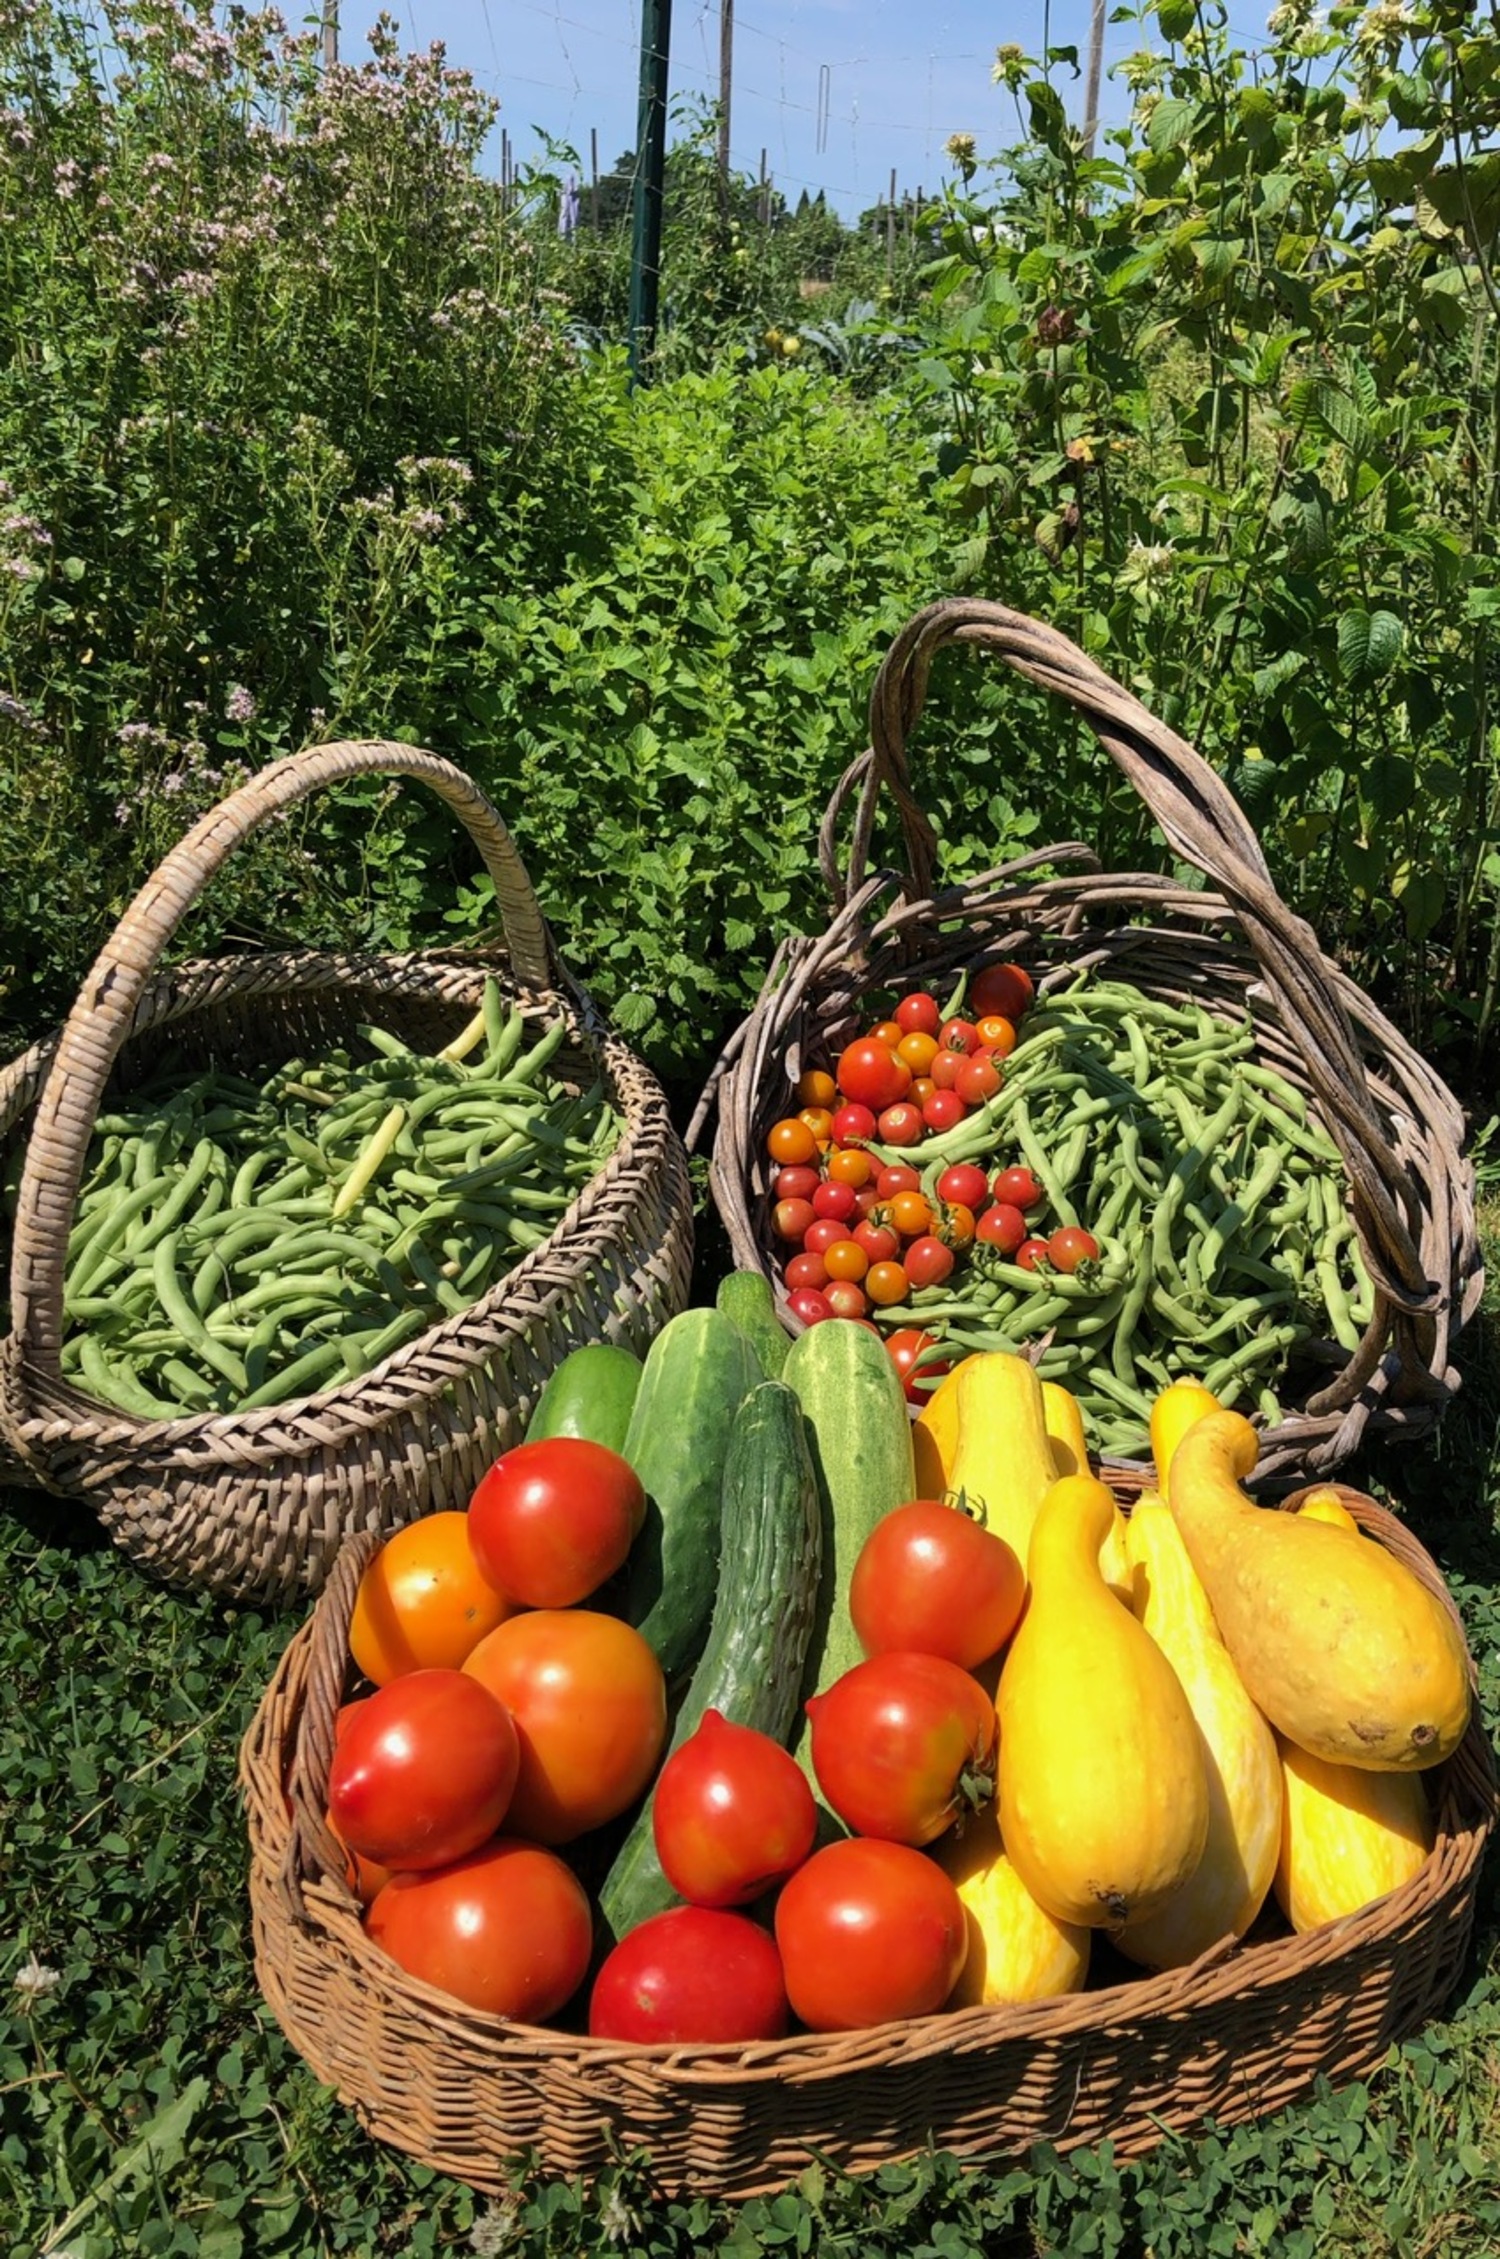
(752, 1773)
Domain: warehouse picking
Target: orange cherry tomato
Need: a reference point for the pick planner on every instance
(918, 1050)
(791, 1141)
(886, 1283)
(817, 1088)
(850, 1165)
(921, 1090)
(997, 1034)
(955, 1224)
(910, 1214)
(422, 1604)
(845, 1259)
(888, 1032)
(819, 1120)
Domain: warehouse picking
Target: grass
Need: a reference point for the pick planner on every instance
(122, 1859)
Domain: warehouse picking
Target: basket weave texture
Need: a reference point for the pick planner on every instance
(1245, 2031)
(1233, 947)
(255, 1505)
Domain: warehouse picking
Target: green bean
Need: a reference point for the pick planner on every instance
(303, 1377)
(117, 1383)
(179, 1309)
(108, 1229)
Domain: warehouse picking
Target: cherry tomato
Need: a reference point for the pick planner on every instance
(1018, 1188)
(834, 1199)
(590, 1710)
(880, 1242)
(1070, 1247)
(1003, 989)
(888, 1032)
(425, 1770)
(901, 1124)
(733, 1814)
(1033, 1255)
(904, 1347)
(958, 1035)
(911, 1214)
(806, 1270)
(978, 1079)
(897, 1176)
(923, 1087)
(691, 1975)
(918, 1051)
(964, 1184)
(822, 1233)
(870, 1073)
(955, 1225)
(902, 1745)
(795, 1183)
(845, 1299)
(810, 1305)
(886, 1283)
(996, 1035)
(846, 1259)
(791, 1142)
(790, 1218)
(944, 1110)
(552, 1520)
(816, 1088)
(853, 1125)
(919, 1013)
(867, 1198)
(869, 1932)
(507, 1929)
(927, 1262)
(819, 1119)
(945, 1066)
(423, 1602)
(1002, 1227)
(852, 1167)
(931, 1580)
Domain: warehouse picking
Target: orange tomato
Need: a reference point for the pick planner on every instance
(819, 1120)
(422, 1603)
(888, 1032)
(910, 1214)
(851, 1165)
(918, 1050)
(997, 1034)
(886, 1283)
(817, 1089)
(791, 1143)
(845, 1259)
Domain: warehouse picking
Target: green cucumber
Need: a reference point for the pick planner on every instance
(698, 1370)
(746, 1297)
(590, 1394)
(751, 1670)
(862, 1450)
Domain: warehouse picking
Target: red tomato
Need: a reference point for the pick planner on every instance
(901, 1124)
(869, 1932)
(791, 1218)
(552, 1520)
(944, 1109)
(927, 1262)
(822, 1233)
(932, 1581)
(810, 1304)
(945, 1066)
(881, 1242)
(507, 1929)
(846, 1300)
(795, 1184)
(834, 1199)
(424, 1770)
(903, 1744)
(1002, 1227)
(904, 1347)
(732, 1815)
(806, 1270)
(853, 1125)
(897, 1176)
(690, 1975)
(978, 1079)
(1003, 989)
(919, 1013)
(959, 1035)
(590, 1709)
(870, 1073)
(964, 1184)
(1018, 1188)
(423, 1602)
(1033, 1255)
(1070, 1248)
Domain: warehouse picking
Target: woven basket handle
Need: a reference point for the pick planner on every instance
(1205, 825)
(311, 1852)
(101, 1017)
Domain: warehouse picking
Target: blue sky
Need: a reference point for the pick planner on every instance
(838, 93)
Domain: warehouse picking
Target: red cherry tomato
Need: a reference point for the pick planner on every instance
(932, 1581)
(896, 1177)
(553, 1520)
(795, 1183)
(903, 1744)
(927, 1262)
(901, 1124)
(958, 1035)
(944, 1068)
(1033, 1255)
(810, 1304)
(1002, 1227)
(425, 1770)
(507, 1929)
(919, 1013)
(807, 1270)
(1070, 1248)
(881, 1243)
(965, 1184)
(1003, 989)
(733, 1814)
(904, 1347)
(978, 1079)
(691, 1975)
(1018, 1188)
(846, 1300)
(869, 1932)
(835, 1199)
(870, 1073)
(822, 1233)
(852, 1125)
(790, 1218)
(944, 1109)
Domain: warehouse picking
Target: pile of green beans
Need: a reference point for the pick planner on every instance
(211, 1266)
(1218, 1202)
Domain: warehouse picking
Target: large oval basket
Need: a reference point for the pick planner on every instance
(1232, 946)
(1244, 2031)
(255, 1504)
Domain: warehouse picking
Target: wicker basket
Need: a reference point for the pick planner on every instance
(1244, 2031)
(254, 1505)
(1236, 950)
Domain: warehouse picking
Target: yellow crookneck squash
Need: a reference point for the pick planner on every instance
(1345, 1651)
(1103, 1790)
(1017, 1950)
(1347, 1837)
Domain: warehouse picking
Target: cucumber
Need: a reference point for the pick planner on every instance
(752, 1669)
(862, 1450)
(746, 1297)
(698, 1370)
(590, 1394)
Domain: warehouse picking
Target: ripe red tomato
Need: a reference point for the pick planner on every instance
(901, 1124)
(870, 1073)
(845, 1299)
(834, 1199)
(590, 1710)
(424, 1770)
(853, 1125)
(691, 1975)
(806, 1270)
(965, 1184)
(795, 1183)
(927, 1261)
(790, 1219)
(897, 1176)
(1033, 1255)
(904, 1347)
(822, 1233)
(1018, 1188)
(733, 1814)
(881, 1242)
(1001, 1226)
(810, 1304)
(959, 1035)
(552, 1520)
(945, 1066)
(869, 1932)
(903, 1744)
(1003, 989)
(944, 1109)
(929, 1580)
(1071, 1247)
(507, 1929)
(978, 1079)
(919, 1013)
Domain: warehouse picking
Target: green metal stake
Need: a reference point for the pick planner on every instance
(650, 180)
